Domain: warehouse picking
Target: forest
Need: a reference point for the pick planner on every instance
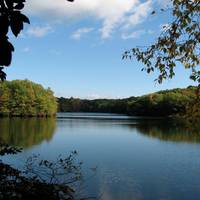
(159, 104)
(25, 98)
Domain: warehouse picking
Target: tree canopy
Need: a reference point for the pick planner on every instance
(178, 43)
(163, 103)
(25, 98)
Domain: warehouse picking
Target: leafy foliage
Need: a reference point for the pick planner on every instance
(29, 184)
(10, 18)
(179, 42)
(163, 103)
(98, 105)
(6, 149)
(192, 114)
(62, 171)
(25, 98)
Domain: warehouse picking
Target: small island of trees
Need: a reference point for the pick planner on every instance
(24, 98)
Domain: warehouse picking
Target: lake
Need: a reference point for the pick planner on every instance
(133, 158)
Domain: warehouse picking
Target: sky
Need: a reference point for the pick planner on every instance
(76, 48)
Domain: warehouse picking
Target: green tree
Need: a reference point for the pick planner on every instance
(25, 98)
(4, 98)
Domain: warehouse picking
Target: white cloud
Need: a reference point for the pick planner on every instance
(80, 32)
(139, 14)
(39, 31)
(113, 14)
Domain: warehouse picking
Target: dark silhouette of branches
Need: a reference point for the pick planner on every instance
(40, 179)
(11, 18)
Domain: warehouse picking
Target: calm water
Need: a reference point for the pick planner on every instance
(135, 158)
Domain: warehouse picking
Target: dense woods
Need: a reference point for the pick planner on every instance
(25, 98)
(98, 105)
(163, 103)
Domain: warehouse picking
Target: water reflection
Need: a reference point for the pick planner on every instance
(29, 132)
(26, 132)
(169, 130)
(132, 161)
(163, 129)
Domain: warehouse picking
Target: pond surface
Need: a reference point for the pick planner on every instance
(134, 158)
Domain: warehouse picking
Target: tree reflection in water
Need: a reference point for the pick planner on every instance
(26, 132)
(169, 130)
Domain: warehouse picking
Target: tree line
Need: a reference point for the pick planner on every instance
(25, 98)
(163, 103)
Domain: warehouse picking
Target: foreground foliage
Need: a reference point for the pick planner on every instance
(11, 18)
(41, 179)
(25, 98)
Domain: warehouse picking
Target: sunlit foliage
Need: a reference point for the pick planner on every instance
(25, 98)
(163, 103)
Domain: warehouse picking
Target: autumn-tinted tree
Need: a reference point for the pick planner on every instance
(178, 43)
(25, 98)
(163, 103)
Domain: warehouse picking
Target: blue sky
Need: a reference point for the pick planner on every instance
(76, 48)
